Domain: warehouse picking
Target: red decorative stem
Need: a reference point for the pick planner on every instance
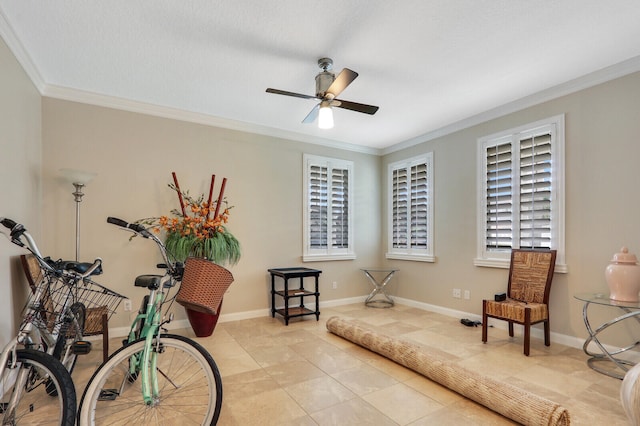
(213, 180)
(224, 182)
(175, 181)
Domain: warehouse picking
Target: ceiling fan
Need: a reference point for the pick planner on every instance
(328, 87)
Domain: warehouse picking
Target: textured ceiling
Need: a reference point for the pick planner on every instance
(427, 64)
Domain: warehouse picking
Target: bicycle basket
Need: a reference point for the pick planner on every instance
(203, 285)
(55, 295)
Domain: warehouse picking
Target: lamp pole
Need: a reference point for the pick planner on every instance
(78, 179)
(78, 199)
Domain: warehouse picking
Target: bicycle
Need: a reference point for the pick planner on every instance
(59, 301)
(35, 387)
(155, 377)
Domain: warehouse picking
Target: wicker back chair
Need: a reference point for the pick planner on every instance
(527, 303)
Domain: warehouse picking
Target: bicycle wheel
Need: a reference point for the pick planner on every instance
(27, 383)
(71, 331)
(190, 387)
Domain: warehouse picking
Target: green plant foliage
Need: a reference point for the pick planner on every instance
(221, 247)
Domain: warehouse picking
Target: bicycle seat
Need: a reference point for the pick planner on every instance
(80, 267)
(151, 282)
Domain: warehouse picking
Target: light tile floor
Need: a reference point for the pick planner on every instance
(301, 374)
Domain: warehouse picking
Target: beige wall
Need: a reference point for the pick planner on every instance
(20, 188)
(134, 155)
(602, 203)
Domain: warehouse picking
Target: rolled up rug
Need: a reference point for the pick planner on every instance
(510, 401)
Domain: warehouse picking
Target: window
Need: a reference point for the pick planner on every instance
(328, 209)
(521, 192)
(410, 214)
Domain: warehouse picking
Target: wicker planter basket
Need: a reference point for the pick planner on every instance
(203, 285)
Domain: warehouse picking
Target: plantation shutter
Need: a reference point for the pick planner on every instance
(535, 192)
(340, 208)
(419, 206)
(318, 206)
(400, 208)
(328, 209)
(521, 185)
(499, 197)
(410, 207)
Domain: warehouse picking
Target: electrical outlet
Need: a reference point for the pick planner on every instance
(335, 285)
(456, 293)
(467, 294)
(127, 305)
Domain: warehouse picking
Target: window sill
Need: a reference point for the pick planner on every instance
(504, 264)
(412, 257)
(326, 257)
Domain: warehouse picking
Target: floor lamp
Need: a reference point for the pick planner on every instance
(79, 179)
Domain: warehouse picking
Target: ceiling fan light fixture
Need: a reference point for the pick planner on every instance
(325, 117)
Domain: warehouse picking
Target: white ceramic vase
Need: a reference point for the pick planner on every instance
(623, 276)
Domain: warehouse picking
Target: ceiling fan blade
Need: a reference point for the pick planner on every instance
(311, 117)
(354, 106)
(295, 95)
(341, 82)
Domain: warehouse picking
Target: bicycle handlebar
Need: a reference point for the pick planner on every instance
(8, 223)
(135, 227)
(17, 231)
(174, 268)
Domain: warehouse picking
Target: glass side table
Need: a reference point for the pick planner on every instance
(379, 298)
(599, 360)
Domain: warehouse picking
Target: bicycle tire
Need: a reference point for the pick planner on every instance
(185, 369)
(35, 405)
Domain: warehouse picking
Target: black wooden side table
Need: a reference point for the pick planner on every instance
(287, 293)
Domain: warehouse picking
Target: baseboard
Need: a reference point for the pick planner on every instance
(536, 331)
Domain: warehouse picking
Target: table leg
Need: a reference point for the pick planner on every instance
(384, 300)
(286, 301)
(606, 355)
(317, 291)
(273, 296)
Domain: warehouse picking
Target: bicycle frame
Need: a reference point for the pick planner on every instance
(10, 349)
(23, 338)
(153, 319)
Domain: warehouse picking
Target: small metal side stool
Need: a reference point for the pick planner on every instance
(379, 298)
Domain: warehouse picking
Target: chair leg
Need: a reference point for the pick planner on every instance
(484, 321)
(105, 337)
(547, 334)
(511, 328)
(527, 330)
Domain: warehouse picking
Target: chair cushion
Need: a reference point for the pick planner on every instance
(514, 310)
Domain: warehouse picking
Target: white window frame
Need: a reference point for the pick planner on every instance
(555, 127)
(312, 254)
(425, 254)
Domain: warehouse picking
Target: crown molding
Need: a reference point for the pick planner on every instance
(91, 98)
(9, 36)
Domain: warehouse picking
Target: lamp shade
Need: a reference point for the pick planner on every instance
(325, 117)
(77, 176)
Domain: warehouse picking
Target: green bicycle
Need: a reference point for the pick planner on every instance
(155, 378)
